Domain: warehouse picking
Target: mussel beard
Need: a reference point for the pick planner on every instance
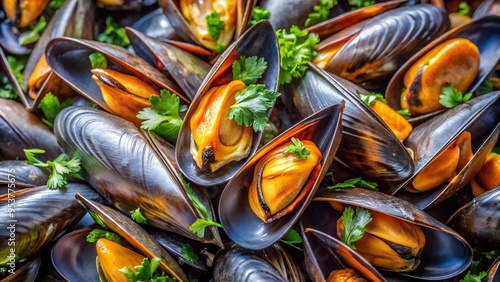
(112, 256)
(195, 13)
(124, 94)
(23, 12)
(389, 242)
(215, 139)
(445, 166)
(280, 183)
(455, 61)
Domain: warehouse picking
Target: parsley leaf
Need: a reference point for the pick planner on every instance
(163, 117)
(451, 97)
(350, 183)
(62, 168)
(51, 107)
(296, 49)
(249, 69)
(146, 272)
(270, 132)
(370, 99)
(98, 60)
(404, 112)
(56, 4)
(17, 67)
(6, 89)
(215, 25)
(97, 234)
(259, 14)
(464, 8)
(251, 106)
(113, 34)
(354, 225)
(188, 253)
(97, 219)
(469, 277)
(298, 149)
(198, 227)
(361, 3)
(495, 151)
(485, 87)
(137, 216)
(33, 34)
(291, 238)
(320, 13)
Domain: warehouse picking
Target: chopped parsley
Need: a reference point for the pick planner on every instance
(351, 183)
(298, 149)
(320, 13)
(354, 225)
(451, 97)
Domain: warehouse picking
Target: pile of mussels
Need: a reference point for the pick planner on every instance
(436, 208)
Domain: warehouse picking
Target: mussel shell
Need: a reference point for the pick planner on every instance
(75, 19)
(235, 263)
(487, 7)
(384, 42)
(368, 145)
(9, 39)
(69, 59)
(20, 129)
(236, 216)
(134, 234)
(41, 216)
(483, 32)
(186, 69)
(20, 174)
(324, 253)
(119, 161)
(445, 254)
(26, 273)
(493, 272)
(260, 41)
(480, 116)
(479, 221)
(155, 24)
(74, 258)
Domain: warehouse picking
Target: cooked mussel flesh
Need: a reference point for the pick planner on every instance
(112, 256)
(282, 181)
(23, 12)
(344, 275)
(488, 176)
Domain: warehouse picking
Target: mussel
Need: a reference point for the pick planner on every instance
(20, 174)
(488, 176)
(135, 173)
(211, 147)
(436, 262)
(23, 12)
(250, 222)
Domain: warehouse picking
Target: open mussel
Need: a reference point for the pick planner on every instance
(235, 263)
(134, 173)
(368, 145)
(191, 20)
(37, 216)
(370, 52)
(444, 255)
(478, 221)
(211, 147)
(22, 13)
(123, 88)
(463, 57)
(20, 129)
(270, 192)
(449, 149)
(488, 176)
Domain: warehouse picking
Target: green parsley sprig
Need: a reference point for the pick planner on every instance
(259, 14)
(113, 34)
(62, 168)
(137, 216)
(98, 60)
(97, 219)
(404, 112)
(320, 13)
(146, 272)
(188, 253)
(296, 49)
(163, 116)
(251, 106)
(298, 149)
(56, 4)
(249, 69)
(370, 99)
(354, 225)
(269, 133)
(451, 97)
(464, 8)
(51, 107)
(351, 183)
(198, 227)
(17, 66)
(485, 87)
(361, 3)
(97, 234)
(215, 25)
(469, 277)
(291, 238)
(33, 34)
